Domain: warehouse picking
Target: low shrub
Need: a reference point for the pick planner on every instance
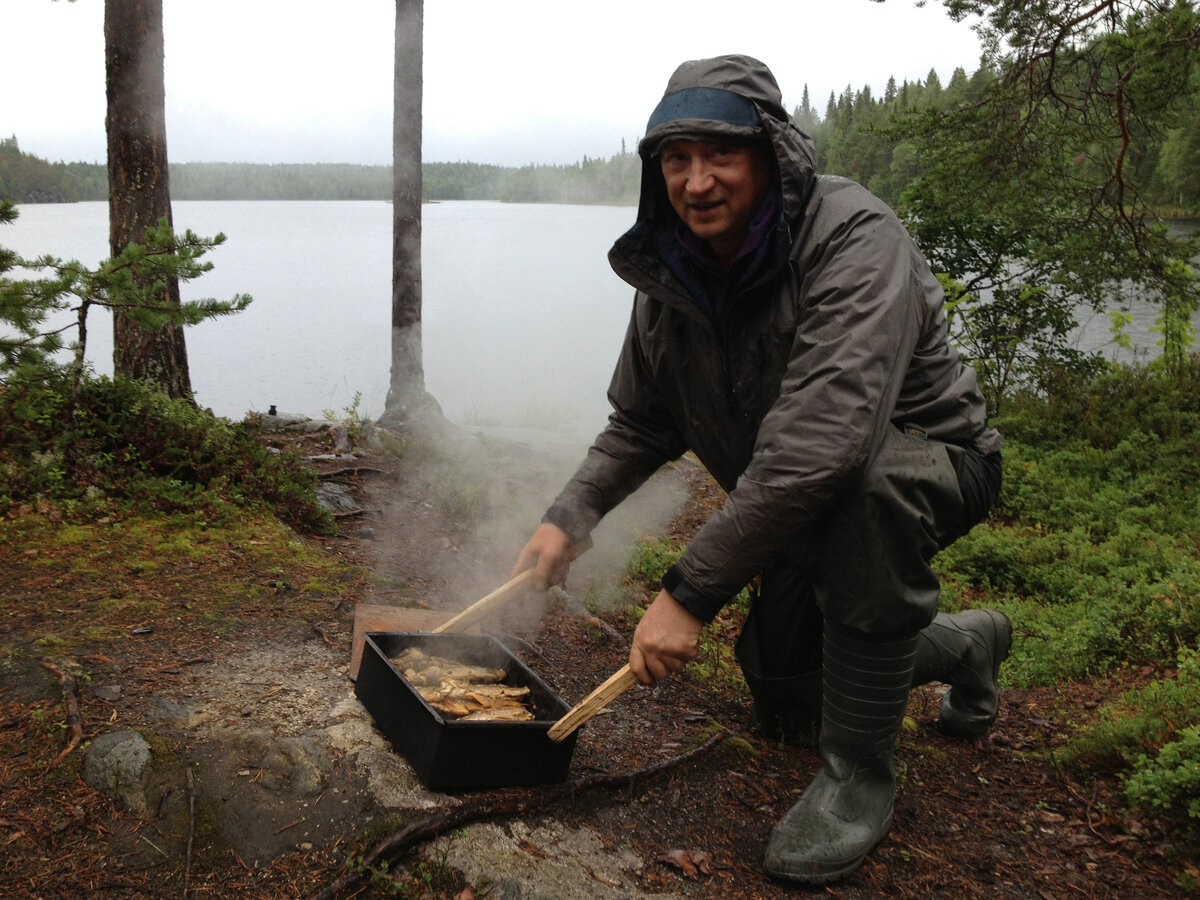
(118, 444)
(1169, 783)
(1094, 546)
(651, 559)
(1151, 737)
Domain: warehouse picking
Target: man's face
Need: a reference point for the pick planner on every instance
(716, 189)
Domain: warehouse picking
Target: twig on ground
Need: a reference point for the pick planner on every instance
(530, 647)
(352, 470)
(191, 831)
(445, 819)
(66, 681)
(577, 608)
(326, 639)
(283, 828)
(155, 846)
(351, 513)
(1089, 808)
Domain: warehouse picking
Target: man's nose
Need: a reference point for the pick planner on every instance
(700, 177)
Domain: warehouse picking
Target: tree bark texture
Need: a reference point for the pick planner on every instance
(138, 187)
(407, 384)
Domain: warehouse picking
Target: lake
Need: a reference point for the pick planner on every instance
(522, 315)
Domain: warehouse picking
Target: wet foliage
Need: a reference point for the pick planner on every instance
(117, 446)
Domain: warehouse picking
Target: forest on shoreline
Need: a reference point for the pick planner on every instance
(858, 135)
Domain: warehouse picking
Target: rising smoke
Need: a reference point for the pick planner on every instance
(467, 502)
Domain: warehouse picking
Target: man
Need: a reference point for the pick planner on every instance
(787, 331)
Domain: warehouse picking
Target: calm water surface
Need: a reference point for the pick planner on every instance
(522, 316)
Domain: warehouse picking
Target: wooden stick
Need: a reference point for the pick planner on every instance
(191, 830)
(497, 598)
(481, 608)
(66, 681)
(618, 683)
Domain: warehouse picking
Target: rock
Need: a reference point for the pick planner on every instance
(267, 793)
(369, 435)
(299, 761)
(341, 438)
(278, 423)
(117, 764)
(169, 712)
(335, 498)
(541, 862)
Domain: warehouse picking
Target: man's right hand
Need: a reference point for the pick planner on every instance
(665, 640)
(548, 553)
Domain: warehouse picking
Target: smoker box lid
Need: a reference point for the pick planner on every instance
(456, 755)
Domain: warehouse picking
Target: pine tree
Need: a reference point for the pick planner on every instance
(1029, 195)
(831, 109)
(805, 116)
(138, 191)
(406, 392)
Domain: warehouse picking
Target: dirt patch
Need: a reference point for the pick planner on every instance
(264, 719)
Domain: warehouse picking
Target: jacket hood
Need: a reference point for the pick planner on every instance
(731, 98)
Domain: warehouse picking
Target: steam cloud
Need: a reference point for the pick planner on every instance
(466, 506)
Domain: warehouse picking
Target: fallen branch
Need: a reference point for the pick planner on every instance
(353, 470)
(66, 681)
(577, 608)
(326, 639)
(350, 513)
(281, 829)
(191, 831)
(445, 818)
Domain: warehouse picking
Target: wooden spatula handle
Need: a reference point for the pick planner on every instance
(510, 590)
(481, 608)
(618, 683)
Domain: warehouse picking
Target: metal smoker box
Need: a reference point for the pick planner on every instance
(452, 755)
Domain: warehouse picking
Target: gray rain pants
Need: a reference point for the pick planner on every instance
(868, 565)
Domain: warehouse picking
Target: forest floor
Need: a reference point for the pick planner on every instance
(994, 818)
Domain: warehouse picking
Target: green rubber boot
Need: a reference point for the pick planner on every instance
(847, 809)
(965, 650)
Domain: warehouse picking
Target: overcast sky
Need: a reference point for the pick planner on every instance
(506, 81)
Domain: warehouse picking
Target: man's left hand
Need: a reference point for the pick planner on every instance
(667, 638)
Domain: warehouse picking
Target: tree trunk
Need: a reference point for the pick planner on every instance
(406, 392)
(138, 188)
